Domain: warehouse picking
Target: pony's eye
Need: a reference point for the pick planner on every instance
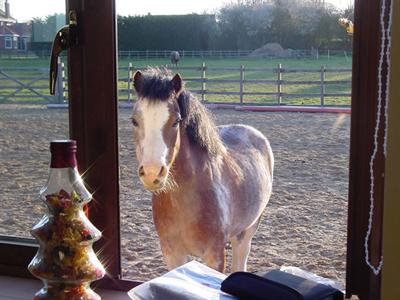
(176, 123)
(135, 123)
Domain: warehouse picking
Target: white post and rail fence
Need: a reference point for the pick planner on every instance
(31, 85)
(275, 97)
(312, 53)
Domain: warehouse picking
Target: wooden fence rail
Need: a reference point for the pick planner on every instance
(280, 82)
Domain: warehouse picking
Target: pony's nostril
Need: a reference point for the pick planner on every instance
(162, 172)
(156, 181)
(141, 171)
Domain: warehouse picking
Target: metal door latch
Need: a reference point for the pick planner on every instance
(65, 38)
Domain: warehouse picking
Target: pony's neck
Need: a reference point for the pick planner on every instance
(190, 160)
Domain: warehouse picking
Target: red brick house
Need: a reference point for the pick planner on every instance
(14, 36)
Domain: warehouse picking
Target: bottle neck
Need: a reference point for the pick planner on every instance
(61, 160)
(64, 178)
(67, 179)
(64, 175)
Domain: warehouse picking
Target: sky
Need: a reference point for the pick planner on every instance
(24, 10)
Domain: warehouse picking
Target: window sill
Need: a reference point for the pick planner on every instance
(14, 288)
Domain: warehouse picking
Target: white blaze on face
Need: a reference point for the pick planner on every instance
(155, 116)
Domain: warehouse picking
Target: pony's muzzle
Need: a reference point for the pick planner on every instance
(153, 176)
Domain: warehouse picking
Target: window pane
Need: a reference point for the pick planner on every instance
(304, 224)
(8, 42)
(27, 124)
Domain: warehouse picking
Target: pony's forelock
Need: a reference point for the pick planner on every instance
(155, 84)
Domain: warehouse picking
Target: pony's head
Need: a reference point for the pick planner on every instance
(163, 113)
(156, 120)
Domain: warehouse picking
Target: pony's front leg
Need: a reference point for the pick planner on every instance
(241, 245)
(215, 257)
(240, 253)
(173, 256)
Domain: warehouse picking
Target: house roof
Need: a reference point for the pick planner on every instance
(23, 29)
(6, 29)
(16, 29)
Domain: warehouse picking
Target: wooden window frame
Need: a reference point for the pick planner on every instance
(360, 279)
(93, 111)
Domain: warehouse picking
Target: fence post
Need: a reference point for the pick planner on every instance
(63, 80)
(322, 85)
(59, 91)
(279, 82)
(130, 82)
(241, 84)
(203, 82)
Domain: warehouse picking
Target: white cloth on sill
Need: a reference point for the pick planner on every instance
(192, 281)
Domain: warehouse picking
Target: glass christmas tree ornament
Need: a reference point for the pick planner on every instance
(65, 261)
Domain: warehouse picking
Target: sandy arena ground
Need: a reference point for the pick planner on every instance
(304, 224)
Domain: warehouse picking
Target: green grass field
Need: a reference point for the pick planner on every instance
(7, 86)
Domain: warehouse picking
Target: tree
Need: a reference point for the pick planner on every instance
(283, 27)
(175, 32)
(245, 24)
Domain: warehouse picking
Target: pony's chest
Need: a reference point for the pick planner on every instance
(189, 210)
(194, 225)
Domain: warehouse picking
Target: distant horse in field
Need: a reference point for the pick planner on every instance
(210, 184)
(175, 57)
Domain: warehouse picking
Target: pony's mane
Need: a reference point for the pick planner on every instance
(199, 125)
(196, 119)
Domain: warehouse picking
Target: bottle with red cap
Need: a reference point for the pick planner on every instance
(65, 261)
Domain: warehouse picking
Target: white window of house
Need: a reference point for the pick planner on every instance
(8, 42)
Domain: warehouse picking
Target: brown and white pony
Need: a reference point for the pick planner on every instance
(210, 184)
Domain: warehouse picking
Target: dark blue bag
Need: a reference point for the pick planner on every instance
(277, 285)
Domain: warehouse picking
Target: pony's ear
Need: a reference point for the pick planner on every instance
(177, 83)
(137, 81)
